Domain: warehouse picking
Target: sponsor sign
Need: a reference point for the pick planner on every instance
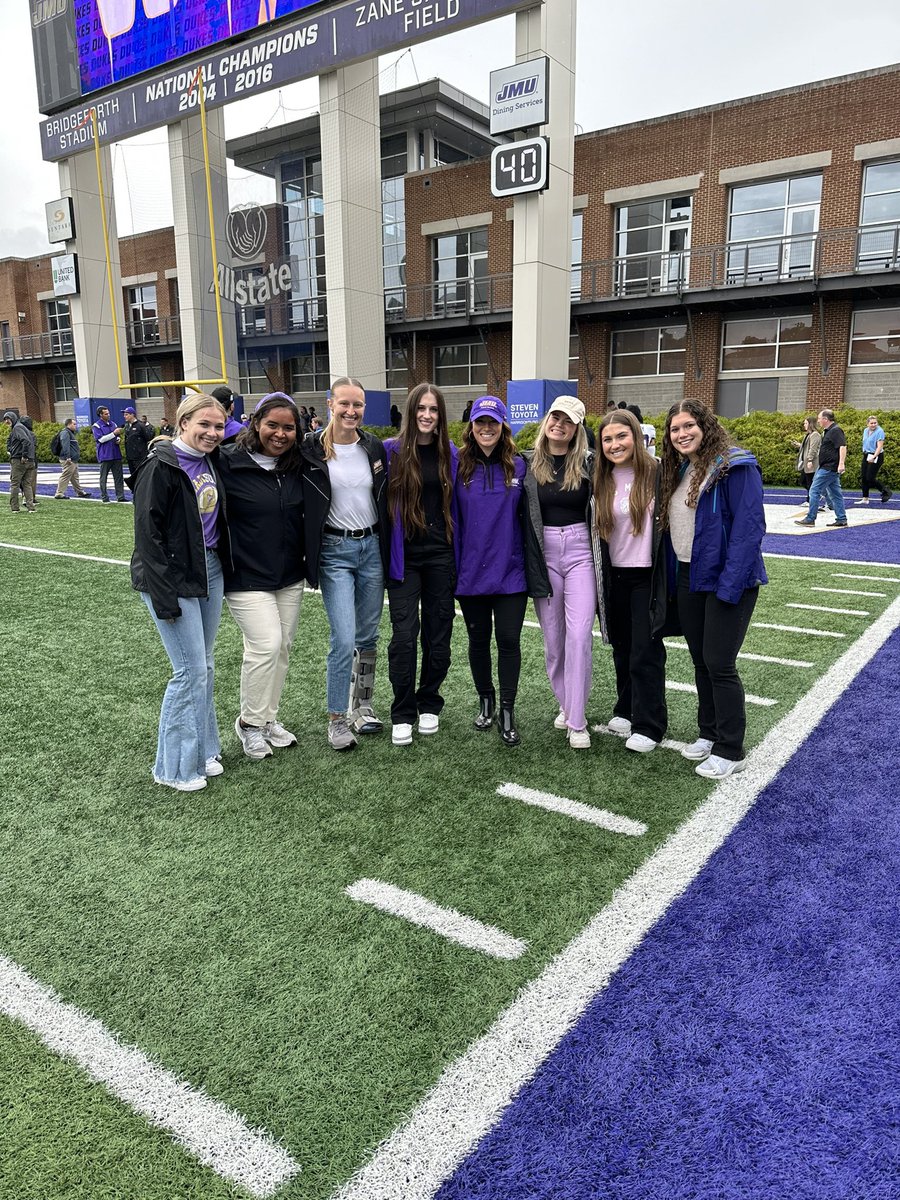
(521, 415)
(60, 220)
(288, 51)
(64, 271)
(245, 232)
(519, 95)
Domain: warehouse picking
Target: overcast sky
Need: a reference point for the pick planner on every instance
(634, 61)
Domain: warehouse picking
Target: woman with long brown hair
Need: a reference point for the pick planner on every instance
(712, 504)
(631, 578)
(422, 465)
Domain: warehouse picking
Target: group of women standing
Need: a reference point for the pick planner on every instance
(648, 545)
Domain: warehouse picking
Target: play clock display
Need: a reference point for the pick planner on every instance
(520, 167)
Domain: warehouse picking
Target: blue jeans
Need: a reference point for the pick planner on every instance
(351, 577)
(829, 483)
(188, 731)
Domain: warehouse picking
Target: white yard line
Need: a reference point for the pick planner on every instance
(845, 612)
(453, 925)
(759, 701)
(848, 592)
(765, 658)
(798, 629)
(666, 743)
(212, 1133)
(116, 562)
(833, 562)
(473, 1092)
(867, 578)
(573, 808)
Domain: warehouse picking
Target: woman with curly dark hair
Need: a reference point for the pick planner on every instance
(712, 503)
(422, 464)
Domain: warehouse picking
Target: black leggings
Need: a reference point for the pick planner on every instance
(506, 614)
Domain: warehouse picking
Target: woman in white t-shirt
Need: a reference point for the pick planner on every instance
(347, 546)
(631, 584)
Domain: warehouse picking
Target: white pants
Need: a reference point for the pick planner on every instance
(268, 621)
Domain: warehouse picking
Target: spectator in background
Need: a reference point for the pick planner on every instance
(21, 448)
(138, 437)
(303, 414)
(808, 458)
(873, 457)
(145, 420)
(648, 431)
(395, 416)
(827, 479)
(166, 429)
(233, 427)
(314, 423)
(109, 456)
(467, 412)
(69, 455)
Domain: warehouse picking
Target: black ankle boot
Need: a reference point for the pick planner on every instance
(507, 725)
(485, 718)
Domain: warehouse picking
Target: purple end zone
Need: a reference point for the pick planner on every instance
(748, 1050)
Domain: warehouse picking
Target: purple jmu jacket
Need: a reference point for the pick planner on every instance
(490, 552)
(106, 451)
(398, 556)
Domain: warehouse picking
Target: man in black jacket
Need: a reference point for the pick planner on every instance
(22, 450)
(138, 437)
(69, 456)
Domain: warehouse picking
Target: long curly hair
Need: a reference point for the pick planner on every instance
(468, 455)
(716, 441)
(405, 475)
(249, 438)
(643, 490)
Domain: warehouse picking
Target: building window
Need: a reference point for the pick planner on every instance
(460, 364)
(772, 228)
(251, 317)
(657, 350)
(396, 366)
(875, 338)
(310, 371)
(304, 237)
(766, 343)
(652, 237)
(253, 377)
(577, 253)
(59, 326)
(445, 154)
(65, 386)
(146, 373)
(142, 314)
(574, 356)
(880, 217)
(460, 262)
(393, 221)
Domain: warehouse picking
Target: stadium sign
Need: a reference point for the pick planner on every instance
(286, 52)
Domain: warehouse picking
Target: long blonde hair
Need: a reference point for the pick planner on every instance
(327, 435)
(542, 467)
(643, 489)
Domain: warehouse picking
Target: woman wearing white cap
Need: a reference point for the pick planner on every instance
(558, 488)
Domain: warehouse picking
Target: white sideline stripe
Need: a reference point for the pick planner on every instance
(472, 1093)
(759, 701)
(212, 1133)
(832, 562)
(798, 629)
(846, 612)
(848, 592)
(870, 578)
(466, 931)
(573, 808)
(116, 562)
(666, 743)
(766, 658)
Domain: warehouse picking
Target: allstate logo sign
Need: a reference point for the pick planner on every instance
(245, 231)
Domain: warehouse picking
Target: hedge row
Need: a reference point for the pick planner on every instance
(768, 435)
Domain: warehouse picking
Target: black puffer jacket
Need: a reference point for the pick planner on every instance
(169, 557)
(265, 521)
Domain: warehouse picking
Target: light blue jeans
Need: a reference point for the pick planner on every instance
(827, 483)
(351, 577)
(188, 731)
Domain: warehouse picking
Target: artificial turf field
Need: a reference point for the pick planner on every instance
(213, 930)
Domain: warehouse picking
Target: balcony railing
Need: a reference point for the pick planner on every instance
(861, 250)
(283, 317)
(451, 298)
(31, 346)
(153, 331)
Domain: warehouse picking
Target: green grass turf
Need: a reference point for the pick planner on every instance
(212, 930)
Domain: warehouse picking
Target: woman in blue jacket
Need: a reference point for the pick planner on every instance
(712, 504)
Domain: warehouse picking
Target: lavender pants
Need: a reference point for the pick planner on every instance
(567, 618)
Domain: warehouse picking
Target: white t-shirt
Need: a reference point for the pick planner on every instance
(352, 499)
(649, 432)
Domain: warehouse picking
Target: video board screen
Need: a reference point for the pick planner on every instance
(118, 39)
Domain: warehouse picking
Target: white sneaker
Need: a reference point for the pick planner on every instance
(428, 723)
(579, 739)
(340, 735)
(401, 735)
(560, 722)
(276, 734)
(192, 785)
(641, 743)
(255, 745)
(620, 725)
(862, 501)
(702, 748)
(214, 767)
(717, 768)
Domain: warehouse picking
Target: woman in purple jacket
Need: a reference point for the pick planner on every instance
(422, 464)
(712, 504)
(490, 556)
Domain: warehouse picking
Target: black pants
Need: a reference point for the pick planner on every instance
(806, 478)
(429, 578)
(506, 614)
(114, 465)
(869, 476)
(639, 659)
(715, 632)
